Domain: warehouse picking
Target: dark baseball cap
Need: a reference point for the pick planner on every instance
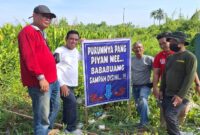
(42, 9)
(163, 35)
(179, 36)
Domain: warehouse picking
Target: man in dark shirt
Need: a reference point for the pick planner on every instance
(177, 79)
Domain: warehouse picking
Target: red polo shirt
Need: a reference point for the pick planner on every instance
(35, 57)
(160, 60)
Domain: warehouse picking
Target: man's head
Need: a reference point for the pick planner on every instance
(178, 41)
(72, 39)
(138, 49)
(162, 40)
(42, 16)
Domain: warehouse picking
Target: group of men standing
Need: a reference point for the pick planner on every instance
(176, 68)
(47, 78)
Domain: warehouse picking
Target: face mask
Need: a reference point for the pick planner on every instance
(174, 47)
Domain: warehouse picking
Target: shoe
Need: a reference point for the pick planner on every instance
(75, 132)
(141, 127)
(79, 125)
(98, 114)
(53, 132)
(186, 133)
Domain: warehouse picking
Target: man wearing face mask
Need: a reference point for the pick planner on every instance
(158, 69)
(176, 80)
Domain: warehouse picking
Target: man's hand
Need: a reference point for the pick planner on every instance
(156, 92)
(197, 82)
(64, 91)
(44, 85)
(176, 100)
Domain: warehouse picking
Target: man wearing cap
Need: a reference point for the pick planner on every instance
(158, 68)
(176, 80)
(38, 70)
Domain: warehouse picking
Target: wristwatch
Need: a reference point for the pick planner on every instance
(40, 77)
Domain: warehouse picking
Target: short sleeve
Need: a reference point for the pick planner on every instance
(156, 62)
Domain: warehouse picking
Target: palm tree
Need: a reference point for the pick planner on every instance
(157, 15)
(153, 15)
(160, 15)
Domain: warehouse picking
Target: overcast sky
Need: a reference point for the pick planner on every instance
(95, 11)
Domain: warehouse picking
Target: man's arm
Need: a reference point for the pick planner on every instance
(156, 74)
(28, 55)
(132, 59)
(191, 66)
(64, 90)
(162, 84)
(197, 83)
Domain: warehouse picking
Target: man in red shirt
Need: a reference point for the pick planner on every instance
(160, 61)
(159, 66)
(38, 70)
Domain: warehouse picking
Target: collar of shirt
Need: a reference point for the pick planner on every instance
(166, 53)
(38, 29)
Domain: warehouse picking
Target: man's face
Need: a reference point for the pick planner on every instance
(42, 20)
(72, 41)
(164, 44)
(175, 45)
(138, 49)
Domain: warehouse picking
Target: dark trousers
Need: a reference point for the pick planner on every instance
(171, 114)
(70, 110)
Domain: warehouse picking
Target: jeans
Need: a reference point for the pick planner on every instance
(70, 110)
(171, 114)
(45, 107)
(140, 94)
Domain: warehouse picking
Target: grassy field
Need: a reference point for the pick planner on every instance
(119, 118)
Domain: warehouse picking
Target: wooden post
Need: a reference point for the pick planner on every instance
(129, 107)
(86, 115)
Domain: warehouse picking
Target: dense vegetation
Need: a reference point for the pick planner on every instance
(121, 116)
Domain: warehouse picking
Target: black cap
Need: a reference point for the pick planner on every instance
(42, 9)
(178, 36)
(163, 35)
